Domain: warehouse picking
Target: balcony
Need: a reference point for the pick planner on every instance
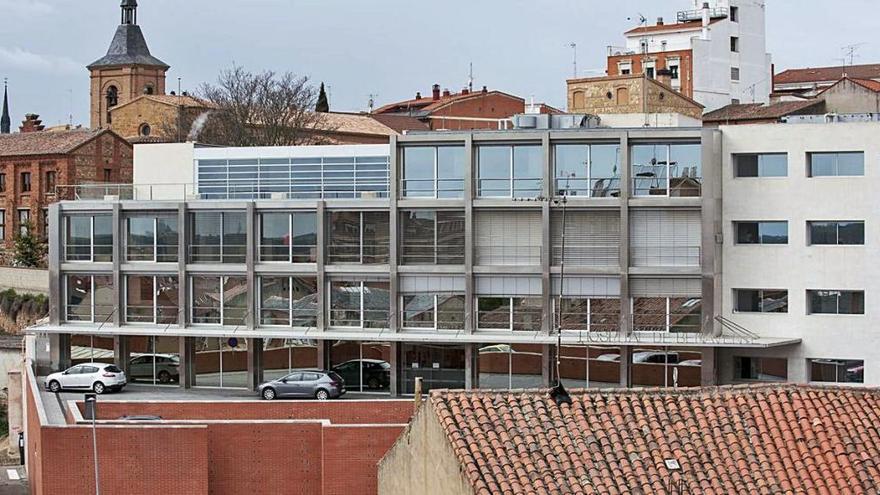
(696, 15)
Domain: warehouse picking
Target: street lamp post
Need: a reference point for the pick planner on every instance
(91, 401)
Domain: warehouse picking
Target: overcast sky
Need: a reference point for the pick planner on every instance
(390, 48)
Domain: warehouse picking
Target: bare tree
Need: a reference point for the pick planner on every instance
(248, 109)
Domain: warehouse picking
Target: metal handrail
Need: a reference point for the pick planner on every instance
(737, 329)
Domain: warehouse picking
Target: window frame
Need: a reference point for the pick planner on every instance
(837, 226)
(383, 258)
(26, 185)
(668, 324)
(291, 246)
(590, 179)
(836, 155)
(735, 160)
(435, 327)
(221, 254)
(437, 192)
(634, 184)
(191, 300)
(92, 220)
(512, 314)
(92, 306)
(156, 246)
(435, 247)
(511, 178)
(840, 294)
(839, 362)
(738, 223)
(155, 306)
(291, 317)
(362, 308)
(737, 309)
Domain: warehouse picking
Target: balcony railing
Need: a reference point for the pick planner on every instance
(697, 14)
(423, 254)
(614, 51)
(371, 254)
(185, 191)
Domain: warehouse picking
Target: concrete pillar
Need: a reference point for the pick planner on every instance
(712, 228)
(709, 368)
(548, 325)
(250, 250)
(118, 289)
(183, 283)
(121, 354)
(59, 351)
(393, 228)
(254, 363)
(470, 367)
(394, 385)
(323, 354)
(625, 365)
(625, 193)
(54, 240)
(321, 218)
(14, 408)
(469, 191)
(187, 362)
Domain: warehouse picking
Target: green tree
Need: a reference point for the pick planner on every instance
(29, 250)
(323, 104)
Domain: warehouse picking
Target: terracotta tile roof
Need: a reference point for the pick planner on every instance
(171, 100)
(401, 123)
(678, 26)
(735, 439)
(758, 111)
(826, 74)
(44, 143)
(867, 83)
(428, 104)
(356, 123)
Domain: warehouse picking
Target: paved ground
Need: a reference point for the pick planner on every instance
(9, 485)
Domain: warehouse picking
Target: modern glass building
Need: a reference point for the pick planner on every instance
(457, 258)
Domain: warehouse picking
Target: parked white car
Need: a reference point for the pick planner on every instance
(98, 377)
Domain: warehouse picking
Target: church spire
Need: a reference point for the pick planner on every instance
(5, 121)
(129, 12)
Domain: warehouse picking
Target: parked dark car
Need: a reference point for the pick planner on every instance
(321, 385)
(376, 373)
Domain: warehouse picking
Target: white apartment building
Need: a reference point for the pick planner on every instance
(799, 221)
(714, 53)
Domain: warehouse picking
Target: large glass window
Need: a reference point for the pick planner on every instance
(761, 232)
(218, 300)
(88, 238)
(590, 367)
(850, 233)
(154, 360)
(673, 170)
(221, 362)
(666, 367)
(587, 170)
(289, 301)
(762, 369)
(439, 366)
(666, 314)
(151, 238)
(432, 311)
(218, 237)
(358, 237)
(359, 304)
(289, 237)
(284, 356)
(760, 165)
(837, 370)
(835, 164)
(432, 237)
(152, 299)
(522, 314)
(89, 298)
(509, 171)
(363, 366)
(506, 366)
(760, 301)
(836, 302)
(589, 314)
(433, 172)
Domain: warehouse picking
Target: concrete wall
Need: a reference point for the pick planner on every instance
(26, 280)
(422, 461)
(796, 266)
(156, 178)
(849, 97)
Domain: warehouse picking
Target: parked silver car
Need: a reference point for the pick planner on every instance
(319, 384)
(98, 377)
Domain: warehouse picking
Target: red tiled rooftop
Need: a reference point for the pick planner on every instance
(778, 438)
(758, 111)
(827, 74)
(678, 26)
(44, 142)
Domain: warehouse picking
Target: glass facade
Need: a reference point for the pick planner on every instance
(433, 172)
(587, 170)
(288, 301)
(673, 170)
(294, 178)
(666, 314)
(358, 237)
(588, 314)
(363, 366)
(432, 237)
(154, 360)
(519, 314)
(289, 237)
(89, 298)
(217, 237)
(88, 238)
(596, 366)
(509, 171)
(152, 299)
(284, 356)
(221, 362)
(508, 367)
(432, 311)
(151, 238)
(359, 304)
(218, 300)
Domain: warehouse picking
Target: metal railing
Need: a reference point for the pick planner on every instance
(508, 255)
(677, 187)
(665, 255)
(697, 14)
(185, 191)
(614, 51)
(423, 254)
(162, 253)
(215, 253)
(301, 253)
(595, 187)
(358, 253)
(431, 188)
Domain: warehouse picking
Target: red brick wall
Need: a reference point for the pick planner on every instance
(685, 70)
(33, 441)
(490, 106)
(352, 454)
(265, 458)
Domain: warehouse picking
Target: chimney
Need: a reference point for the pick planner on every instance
(465, 91)
(704, 35)
(418, 95)
(446, 93)
(659, 21)
(435, 92)
(485, 90)
(664, 76)
(31, 123)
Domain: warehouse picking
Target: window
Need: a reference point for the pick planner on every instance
(218, 237)
(24, 221)
(673, 68)
(624, 68)
(289, 237)
(518, 314)
(760, 301)
(25, 182)
(835, 164)
(432, 237)
(358, 237)
(734, 101)
(45, 212)
(850, 233)
(218, 300)
(151, 238)
(433, 172)
(2, 183)
(2, 224)
(88, 238)
(734, 44)
(649, 71)
(509, 171)
(760, 165)
(587, 170)
(359, 304)
(837, 370)
(588, 314)
(148, 89)
(836, 302)
(666, 314)
(762, 369)
(88, 298)
(734, 73)
(108, 175)
(50, 182)
(734, 14)
(151, 299)
(145, 130)
(672, 170)
(432, 311)
(288, 301)
(774, 232)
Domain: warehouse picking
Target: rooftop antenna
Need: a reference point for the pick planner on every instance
(330, 96)
(849, 52)
(179, 82)
(471, 77)
(372, 101)
(574, 59)
(70, 113)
